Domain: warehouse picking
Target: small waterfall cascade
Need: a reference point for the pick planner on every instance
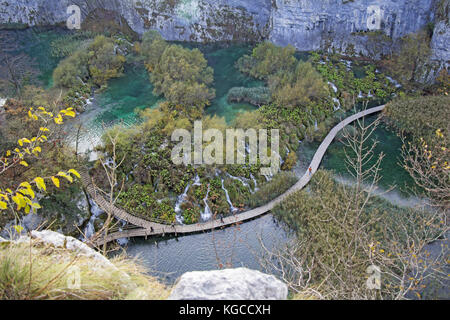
(232, 208)
(207, 214)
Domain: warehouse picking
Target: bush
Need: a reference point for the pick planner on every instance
(98, 62)
(269, 191)
(256, 96)
(72, 71)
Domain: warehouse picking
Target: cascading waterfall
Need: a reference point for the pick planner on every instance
(197, 181)
(254, 181)
(122, 241)
(181, 198)
(244, 183)
(337, 104)
(333, 86)
(232, 208)
(89, 230)
(207, 214)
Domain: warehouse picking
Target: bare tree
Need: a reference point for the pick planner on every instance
(17, 70)
(114, 186)
(342, 234)
(428, 166)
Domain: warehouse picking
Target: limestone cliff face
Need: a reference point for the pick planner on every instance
(306, 24)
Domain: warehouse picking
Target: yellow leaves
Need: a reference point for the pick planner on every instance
(20, 200)
(69, 112)
(35, 205)
(3, 205)
(24, 163)
(8, 153)
(44, 129)
(40, 183)
(75, 173)
(18, 229)
(58, 119)
(65, 175)
(439, 133)
(37, 150)
(55, 181)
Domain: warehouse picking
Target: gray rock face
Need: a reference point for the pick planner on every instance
(440, 42)
(306, 24)
(229, 284)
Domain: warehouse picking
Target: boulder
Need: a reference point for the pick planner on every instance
(229, 284)
(60, 241)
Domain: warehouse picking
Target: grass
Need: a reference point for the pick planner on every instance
(31, 270)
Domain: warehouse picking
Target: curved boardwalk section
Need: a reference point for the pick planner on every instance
(151, 228)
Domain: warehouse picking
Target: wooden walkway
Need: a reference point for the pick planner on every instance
(148, 228)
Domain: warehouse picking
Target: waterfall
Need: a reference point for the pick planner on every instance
(232, 208)
(394, 82)
(337, 104)
(239, 179)
(122, 241)
(90, 227)
(197, 181)
(181, 198)
(207, 214)
(333, 86)
(254, 181)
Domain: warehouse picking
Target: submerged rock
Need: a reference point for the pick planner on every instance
(229, 284)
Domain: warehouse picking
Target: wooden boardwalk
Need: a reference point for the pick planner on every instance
(147, 228)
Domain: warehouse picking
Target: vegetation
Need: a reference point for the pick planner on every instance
(256, 96)
(33, 271)
(344, 234)
(180, 74)
(269, 191)
(407, 64)
(15, 198)
(97, 63)
(426, 155)
(267, 60)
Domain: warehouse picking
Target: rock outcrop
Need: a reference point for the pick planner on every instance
(229, 284)
(307, 24)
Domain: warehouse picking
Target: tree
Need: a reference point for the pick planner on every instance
(23, 195)
(104, 62)
(414, 53)
(18, 70)
(268, 59)
(299, 88)
(99, 62)
(342, 233)
(181, 75)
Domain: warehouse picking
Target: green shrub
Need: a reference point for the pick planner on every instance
(256, 96)
(272, 189)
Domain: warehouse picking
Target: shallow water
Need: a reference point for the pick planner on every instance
(238, 246)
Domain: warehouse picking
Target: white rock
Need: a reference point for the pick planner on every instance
(229, 284)
(60, 241)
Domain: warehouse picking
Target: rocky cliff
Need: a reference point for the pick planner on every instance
(306, 24)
